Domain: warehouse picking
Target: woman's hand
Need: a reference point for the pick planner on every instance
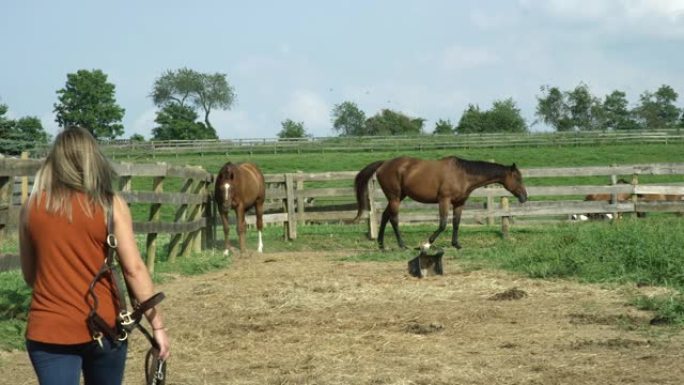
(163, 340)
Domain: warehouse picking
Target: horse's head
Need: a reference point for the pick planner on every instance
(224, 182)
(513, 182)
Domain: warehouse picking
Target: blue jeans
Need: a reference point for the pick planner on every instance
(62, 364)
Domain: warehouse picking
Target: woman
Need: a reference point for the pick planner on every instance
(62, 238)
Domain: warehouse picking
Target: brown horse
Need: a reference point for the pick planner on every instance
(240, 186)
(447, 181)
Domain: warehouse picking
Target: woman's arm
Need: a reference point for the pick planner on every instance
(26, 253)
(135, 271)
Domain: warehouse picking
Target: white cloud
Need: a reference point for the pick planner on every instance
(308, 107)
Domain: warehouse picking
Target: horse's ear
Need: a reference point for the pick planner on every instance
(514, 167)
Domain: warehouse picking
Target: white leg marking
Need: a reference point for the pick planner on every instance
(226, 252)
(261, 244)
(425, 246)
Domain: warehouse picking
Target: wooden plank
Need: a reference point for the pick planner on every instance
(168, 227)
(18, 167)
(164, 197)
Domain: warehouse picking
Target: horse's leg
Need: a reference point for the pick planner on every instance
(457, 220)
(260, 223)
(443, 214)
(381, 230)
(393, 207)
(226, 230)
(241, 226)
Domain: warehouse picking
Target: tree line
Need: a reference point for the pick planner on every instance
(182, 95)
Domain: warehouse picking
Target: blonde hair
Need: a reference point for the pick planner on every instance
(75, 163)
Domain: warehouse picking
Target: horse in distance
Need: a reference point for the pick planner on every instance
(448, 182)
(240, 186)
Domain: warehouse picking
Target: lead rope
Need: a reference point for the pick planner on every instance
(155, 368)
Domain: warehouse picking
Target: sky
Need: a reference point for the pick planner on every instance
(298, 59)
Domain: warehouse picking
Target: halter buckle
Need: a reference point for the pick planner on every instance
(125, 318)
(123, 336)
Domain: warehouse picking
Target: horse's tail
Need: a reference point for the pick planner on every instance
(361, 187)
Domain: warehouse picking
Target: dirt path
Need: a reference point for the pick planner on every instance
(306, 318)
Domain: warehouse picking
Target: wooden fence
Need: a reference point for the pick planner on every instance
(190, 230)
(297, 198)
(120, 149)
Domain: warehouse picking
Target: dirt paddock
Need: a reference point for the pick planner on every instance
(309, 318)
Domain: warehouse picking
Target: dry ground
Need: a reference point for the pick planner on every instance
(308, 318)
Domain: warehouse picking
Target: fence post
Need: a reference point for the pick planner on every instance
(490, 206)
(209, 233)
(6, 185)
(291, 214)
(614, 195)
(155, 210)
(372, 210)
(24, 181)
(505, 220)
(300, 198)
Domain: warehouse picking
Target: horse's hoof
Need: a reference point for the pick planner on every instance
(425, 246)
(457, 245)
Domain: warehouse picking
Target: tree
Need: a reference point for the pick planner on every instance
(137, 138)
(657, 110)
(178, 122)
(348, 119)
(444, 127)
(388, 122)
(292, 129)
(186, 87)
(616, 114)
(472, 121)
(504, 117)
(577, 109)
(582, 105)
(88, 100)
(21, 134)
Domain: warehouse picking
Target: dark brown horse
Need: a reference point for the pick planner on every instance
(447, 181)
(240, 186)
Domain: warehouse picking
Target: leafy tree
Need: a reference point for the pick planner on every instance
(552, 109)
(292, 129)
(444, 127)
(616, 114)
(348, 119)
(472, 121)
(185, 87)
(137, 138)
(30, 129)
(21, 134)
(505, 117)
(577, 109)
(584, 108)
(178, 122)
(658, 110)
(88, 100)
(388, 122)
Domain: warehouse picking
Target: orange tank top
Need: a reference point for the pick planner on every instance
(68, 254)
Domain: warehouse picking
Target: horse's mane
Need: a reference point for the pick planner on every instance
(478, 167)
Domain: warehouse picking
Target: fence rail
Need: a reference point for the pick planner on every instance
(297, 198)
